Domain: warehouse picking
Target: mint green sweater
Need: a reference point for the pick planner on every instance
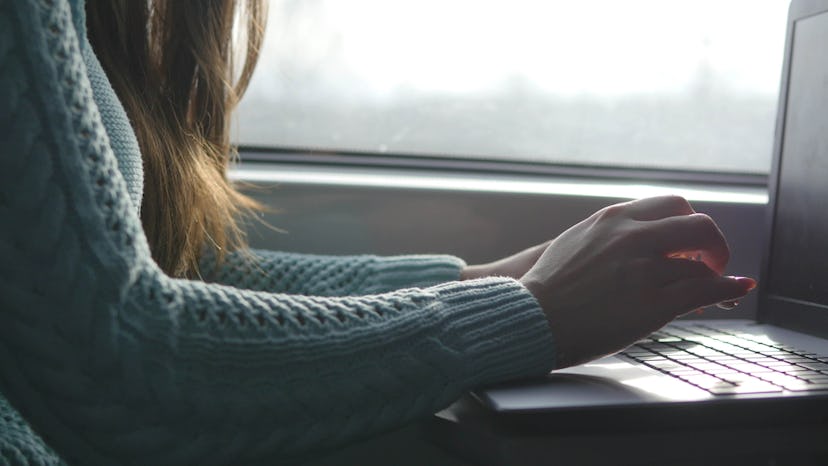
(106, 360)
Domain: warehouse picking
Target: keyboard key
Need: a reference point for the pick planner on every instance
(805, 373)
(668, 340)
(780, 366)
(711, 367)
(655, 347)
(706, 352)
(761, 387)
(684, 372)
(809, 387)
(740, 378)
(684, 344)
(665, 365)
(748, 367)
(782, 380)
(764, 360)
(730, 363)
(706, 381)
(794, 358)
(817, 366)
(728, 374)
(725, 361)
(651, 358)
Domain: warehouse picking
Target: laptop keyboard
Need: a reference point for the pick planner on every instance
(725, 363)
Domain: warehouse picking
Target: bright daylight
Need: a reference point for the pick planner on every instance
(653, 83)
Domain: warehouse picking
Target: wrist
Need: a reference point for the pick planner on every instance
(471, 272)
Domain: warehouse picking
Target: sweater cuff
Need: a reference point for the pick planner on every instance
(498, 327)
(414, 271)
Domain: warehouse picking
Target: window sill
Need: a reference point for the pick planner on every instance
(436, 180)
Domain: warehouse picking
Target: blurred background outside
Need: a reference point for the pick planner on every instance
(675, 84)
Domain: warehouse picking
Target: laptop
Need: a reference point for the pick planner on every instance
(770, 369)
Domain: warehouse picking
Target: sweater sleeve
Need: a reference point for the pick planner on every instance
(320, 275)
(113, 362)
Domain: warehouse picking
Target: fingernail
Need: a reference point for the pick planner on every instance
(727, 305)
(748, 282)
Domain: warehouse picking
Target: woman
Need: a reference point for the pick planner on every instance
(114, 352)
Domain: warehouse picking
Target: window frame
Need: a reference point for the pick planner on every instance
(319, 157)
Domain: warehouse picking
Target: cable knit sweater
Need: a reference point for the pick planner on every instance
(112, 362)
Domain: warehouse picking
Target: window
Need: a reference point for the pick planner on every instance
(673, 84)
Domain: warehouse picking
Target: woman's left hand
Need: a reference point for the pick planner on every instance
(514, 266)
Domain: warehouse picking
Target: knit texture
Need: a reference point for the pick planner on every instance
(18, 444)
(113, 362)
(306, 274)
(113, 116)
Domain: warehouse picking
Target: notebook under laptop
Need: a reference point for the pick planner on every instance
(744, 369)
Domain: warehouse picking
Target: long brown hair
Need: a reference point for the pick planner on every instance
(171, 63)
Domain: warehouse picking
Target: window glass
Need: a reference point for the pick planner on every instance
(677, 84)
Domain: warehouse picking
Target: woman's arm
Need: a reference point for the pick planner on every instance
(113, 362)
(318, 275)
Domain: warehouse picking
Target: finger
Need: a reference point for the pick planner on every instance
(693, 234)
(685, 295)
(654, 208)
(666, 271)
(536, 250)
(658, 272)
(728, 305)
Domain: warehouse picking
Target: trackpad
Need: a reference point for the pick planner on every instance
(606, 382)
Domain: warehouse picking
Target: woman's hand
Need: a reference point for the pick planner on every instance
(624, 272)
(514, 266)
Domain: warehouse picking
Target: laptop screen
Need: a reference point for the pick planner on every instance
(797, 271)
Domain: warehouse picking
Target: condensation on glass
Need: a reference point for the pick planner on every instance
(678, 84)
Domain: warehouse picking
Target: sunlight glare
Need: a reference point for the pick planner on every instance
(565, 47)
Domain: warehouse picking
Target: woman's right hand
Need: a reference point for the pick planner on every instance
(621, 274)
